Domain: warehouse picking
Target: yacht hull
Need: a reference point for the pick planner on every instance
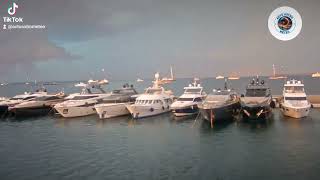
(256, 112)
(111, 110)
(3, 110)
(185, 111)
(295, 112)
(145, 111)
(32, 111)
(76, 111)
(221, 113)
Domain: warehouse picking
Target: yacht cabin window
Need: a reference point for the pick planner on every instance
(256, 92)
(294, 89)
(152, 91)
(296, 98)
(185, 99)
(192, 91)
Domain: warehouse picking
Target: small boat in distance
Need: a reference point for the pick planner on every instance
(140, 80)
(50, 83)
(167, 80)
(275, 76)
(187, 103)
(220, 77)
(257, 102)
(294, 103)
(155, 100)
(316, 75)
(221, 105)
(233, 76)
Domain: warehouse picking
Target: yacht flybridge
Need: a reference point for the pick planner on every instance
(294, 103)
(82, 104)
(187, 103)
(155, 100)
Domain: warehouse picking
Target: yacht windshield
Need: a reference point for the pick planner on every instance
(256, 92)
(296, 98)
(15, 98)
(83, 97)
(294, 89)
(217, 98)
(46, 98)
(185, 99)
(192, 91)
(152, 91)
(30, 97)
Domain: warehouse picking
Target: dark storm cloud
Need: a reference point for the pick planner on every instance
(208, 37)
(26, 48)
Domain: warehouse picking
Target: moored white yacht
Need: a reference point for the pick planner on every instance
(294, 103)
(27, 96)
(82, 104)
(156, 100)
(187, 103)
(115, 104)
(41, 105)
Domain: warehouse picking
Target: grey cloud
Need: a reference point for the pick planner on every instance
(26, 48)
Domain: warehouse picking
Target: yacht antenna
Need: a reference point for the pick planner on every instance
(171, 71)
(225, 84)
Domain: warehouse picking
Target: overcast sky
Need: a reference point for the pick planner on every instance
(135, 38)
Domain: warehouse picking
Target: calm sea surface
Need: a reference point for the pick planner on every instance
(160, 147)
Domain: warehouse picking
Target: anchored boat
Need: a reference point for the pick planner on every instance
(82, 104)
(257, 102)
(41, 105)
(115, 104)
(294, 103)
(220, 105)
(187, 103)
(27, 96)
(155, 100)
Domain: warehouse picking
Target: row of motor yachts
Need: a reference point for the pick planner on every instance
(221, 104)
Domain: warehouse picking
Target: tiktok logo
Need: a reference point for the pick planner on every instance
(12, 10)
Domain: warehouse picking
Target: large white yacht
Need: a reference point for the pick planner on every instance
(27, 96)
(154, 101)
(115, 104)
(187, 103)
(82, 104)
(41, 105)
(295, 103)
